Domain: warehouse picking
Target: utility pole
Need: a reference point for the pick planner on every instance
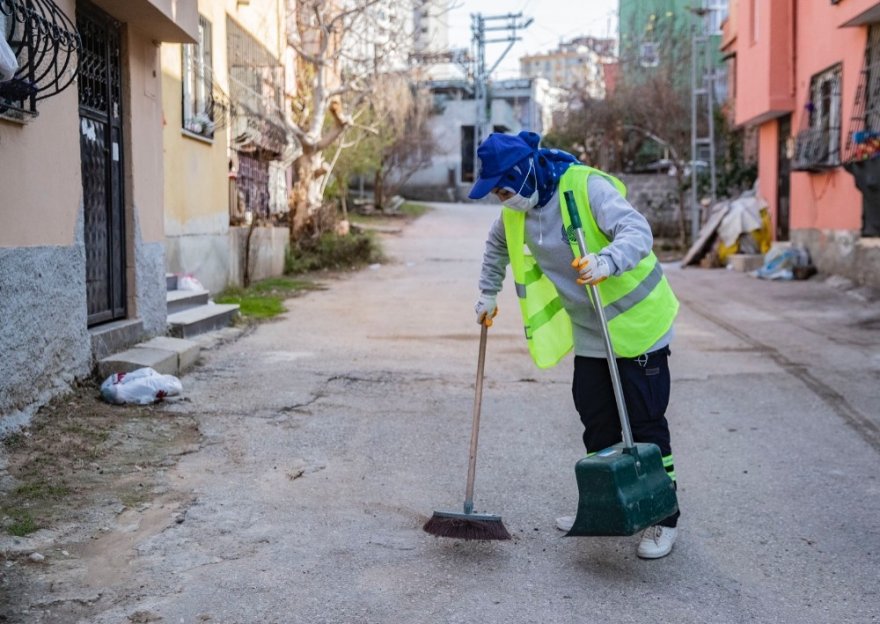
(480, 26)
(702, 103)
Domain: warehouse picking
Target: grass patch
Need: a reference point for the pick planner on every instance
(14, 440)
(333, 252)
(413, 210)
(36, 490)
(265, 299)
(22, 524)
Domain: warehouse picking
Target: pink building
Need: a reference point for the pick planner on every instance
(807, 76)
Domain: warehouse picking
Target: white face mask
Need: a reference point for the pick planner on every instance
(520, 203)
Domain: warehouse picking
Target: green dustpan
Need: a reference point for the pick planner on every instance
(624, 488)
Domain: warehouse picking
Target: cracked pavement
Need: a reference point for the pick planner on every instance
(329, 436)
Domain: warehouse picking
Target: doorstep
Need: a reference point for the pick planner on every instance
(169, 356)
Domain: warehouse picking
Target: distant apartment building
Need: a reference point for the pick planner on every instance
(514, 105)
(577, 65)
(660, 32)
(430, 26)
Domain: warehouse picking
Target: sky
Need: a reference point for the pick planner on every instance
(553, 20)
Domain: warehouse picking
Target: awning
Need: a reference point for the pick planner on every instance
(870, 16)
(173, 21)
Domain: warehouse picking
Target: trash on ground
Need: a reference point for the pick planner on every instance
(189, 282)
(141, 387)
(735, 226)
(786, 263)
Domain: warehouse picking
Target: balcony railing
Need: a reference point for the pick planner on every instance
(816, 149)
(258, 122)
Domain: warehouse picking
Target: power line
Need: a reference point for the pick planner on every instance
(483, 27)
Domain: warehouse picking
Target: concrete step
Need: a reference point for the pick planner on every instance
(179, 300)
(116, 336)
(171, 281)
(202, 319)
(169, 356)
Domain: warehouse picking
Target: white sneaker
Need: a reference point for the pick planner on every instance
(657, 542)
(565, 523)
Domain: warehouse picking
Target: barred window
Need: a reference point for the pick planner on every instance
(198, 105)
(817, 145)
(824, 108)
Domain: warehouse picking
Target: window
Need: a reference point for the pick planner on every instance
(818, 143)
(717, 14)
(648, 55)
(198, 101)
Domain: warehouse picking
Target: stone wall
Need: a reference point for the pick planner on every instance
(151, 306)
(655, 195)
(267, 254)
(842, 252)
(205, 256)
(44, 342)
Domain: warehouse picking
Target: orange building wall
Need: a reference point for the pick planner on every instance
(765, 76)
(768, 165)
(823, 201)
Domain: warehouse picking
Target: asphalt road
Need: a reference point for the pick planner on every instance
(331, 435)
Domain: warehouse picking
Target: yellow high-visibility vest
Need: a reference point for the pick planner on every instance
(639, 305)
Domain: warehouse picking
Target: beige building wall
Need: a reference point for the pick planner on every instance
(144, 174)
(265, 19)
(196, 185)
(43, 242)
(199, 240)
(40, 172)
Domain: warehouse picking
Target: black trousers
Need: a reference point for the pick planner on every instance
(646, 385)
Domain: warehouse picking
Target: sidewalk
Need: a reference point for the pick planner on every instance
(820, 331)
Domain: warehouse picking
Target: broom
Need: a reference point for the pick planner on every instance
(470, 525)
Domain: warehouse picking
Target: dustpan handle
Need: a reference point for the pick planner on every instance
(603, 323)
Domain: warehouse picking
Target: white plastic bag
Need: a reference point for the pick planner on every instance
(142, 387)
(189, 282)
(8, 62)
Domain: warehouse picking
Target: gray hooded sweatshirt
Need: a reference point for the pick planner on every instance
(631, 240)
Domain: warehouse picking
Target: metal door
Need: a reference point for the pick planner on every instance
(100, 115)
(783, 179)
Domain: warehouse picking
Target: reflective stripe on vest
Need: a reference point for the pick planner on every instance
(546, 323)
(639, 305)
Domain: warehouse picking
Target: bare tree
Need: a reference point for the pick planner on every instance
(407, 144)
(342, 48)
(646, 117)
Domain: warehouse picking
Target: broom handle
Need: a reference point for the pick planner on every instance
(475, 428)
(600, 310)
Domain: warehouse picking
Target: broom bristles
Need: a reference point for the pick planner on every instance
(466, 528)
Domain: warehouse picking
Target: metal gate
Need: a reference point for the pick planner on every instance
(100, 115)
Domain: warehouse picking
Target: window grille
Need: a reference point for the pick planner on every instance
(862, 154)
(817, 145)
(205, 106)
(46, 45)
(256, 84)
(863, 138)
